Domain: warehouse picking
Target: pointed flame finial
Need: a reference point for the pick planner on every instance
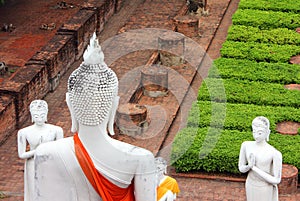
(93, 54)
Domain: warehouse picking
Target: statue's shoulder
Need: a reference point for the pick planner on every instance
(277, 153)
(248, 143)
(143, 152)
(25, 130)
(140, 151)
(131, 149)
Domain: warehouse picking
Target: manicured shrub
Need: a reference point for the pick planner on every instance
(266, 19)
(248, 92)
(243, 69)
(280, 36)
(259, 51)
(216, 150)
(239, 116)
(275, 5)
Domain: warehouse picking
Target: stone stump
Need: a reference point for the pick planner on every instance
(187, 25)
(154, 81)
(295, 59)
(288, 127)
(289, 179)
(131, 119)
(171, 49)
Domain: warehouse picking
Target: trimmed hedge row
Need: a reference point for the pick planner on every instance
(215, 150)
(231, 116)
(280, 36)
(266, 19)
(259, 51)
(253, 67)
(282, 73)
(275, 5)
(248, 92)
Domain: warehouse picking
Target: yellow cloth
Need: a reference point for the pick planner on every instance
(168, 184)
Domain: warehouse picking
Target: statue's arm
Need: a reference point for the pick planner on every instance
(22, 147)
(243, 163)
(277, 168)
(59, 133)
(168, 196)
(145, 180)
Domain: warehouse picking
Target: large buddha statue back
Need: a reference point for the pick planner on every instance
(92, 165)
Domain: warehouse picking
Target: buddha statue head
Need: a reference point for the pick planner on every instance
(39, 111)
(261, 128)
(161, 168)
(92, 88)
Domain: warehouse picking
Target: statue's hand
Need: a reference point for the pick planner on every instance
(251, 160)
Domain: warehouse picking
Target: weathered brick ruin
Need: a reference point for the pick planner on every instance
(41, 73)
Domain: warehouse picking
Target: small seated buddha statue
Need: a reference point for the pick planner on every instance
(262, 162)
(91, 165)
(34, 135)
(167, 187)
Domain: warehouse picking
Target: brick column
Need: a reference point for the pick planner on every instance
(187, 25)
(154, 81)
(171, 49)
(289, 179)
(131, 119)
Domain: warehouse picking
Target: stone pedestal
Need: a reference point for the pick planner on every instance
(187, 25)
(289, 180)
(131, 119)
(154, 81)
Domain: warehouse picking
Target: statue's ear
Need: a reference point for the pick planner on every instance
(112, 115)
(268, 134)
(74, 127)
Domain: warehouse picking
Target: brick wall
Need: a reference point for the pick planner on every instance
(81, 28)
(7, 117)
(57, 56)
(30, 82)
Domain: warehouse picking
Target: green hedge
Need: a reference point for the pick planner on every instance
(249, 92)
(215, 150)
(275, 5)
(253, 67)
(282, 73)
(280, 36)
(259, 51)
(232, 116)
(266, 19)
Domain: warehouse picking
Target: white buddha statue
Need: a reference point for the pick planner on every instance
(167, 187)
(92, 165)
(34, 135)
(262, 162)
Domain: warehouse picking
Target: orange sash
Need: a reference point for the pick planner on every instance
(106, 190)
